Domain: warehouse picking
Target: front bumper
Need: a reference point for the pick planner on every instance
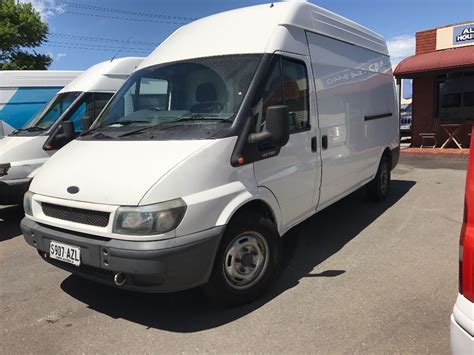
(12, 191)
(150, 266)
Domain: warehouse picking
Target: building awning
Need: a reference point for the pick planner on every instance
(438, 61)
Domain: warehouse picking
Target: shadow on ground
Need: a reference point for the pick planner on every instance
(305, 247)
(10, 218)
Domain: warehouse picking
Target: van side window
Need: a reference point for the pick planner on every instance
(286, 84)
(100, 100)
(271, 94)
(295, 93)
(91, 105)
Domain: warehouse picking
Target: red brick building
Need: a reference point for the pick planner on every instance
(443, 85)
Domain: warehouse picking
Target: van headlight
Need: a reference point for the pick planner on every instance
(149, 220)
(4, 169)
(27, 203)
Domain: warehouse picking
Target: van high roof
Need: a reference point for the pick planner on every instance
(260, 29)
(105, 76)
(36, 78)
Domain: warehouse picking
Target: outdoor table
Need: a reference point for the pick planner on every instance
(452, 130)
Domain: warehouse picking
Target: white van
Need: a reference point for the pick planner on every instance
(24, 92)
(218, 144)
(26, 149)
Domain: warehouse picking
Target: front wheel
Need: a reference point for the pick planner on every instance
(378, 188)
(246, 260)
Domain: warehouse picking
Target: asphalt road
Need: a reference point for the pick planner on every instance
(359, 277)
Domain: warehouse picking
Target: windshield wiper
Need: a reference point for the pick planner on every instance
(140, 130)
(35, 129)
(97, 135)
(172, 123)
(121, 123)
(125, 123)
(200, 117)
(31, 129)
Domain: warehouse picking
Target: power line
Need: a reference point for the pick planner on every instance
(123, 18)
(171, 18)
(98, 48)
(127, 12)
(102, 39)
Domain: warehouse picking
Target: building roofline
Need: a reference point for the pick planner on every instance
(444, 26)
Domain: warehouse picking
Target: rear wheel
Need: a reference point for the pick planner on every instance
(246, 260)
(378, 188)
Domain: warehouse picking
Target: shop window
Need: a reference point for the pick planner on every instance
(451, 100)
(468, 99)
(439, 93)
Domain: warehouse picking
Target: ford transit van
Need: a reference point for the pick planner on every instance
(238, 127)
(26, 149)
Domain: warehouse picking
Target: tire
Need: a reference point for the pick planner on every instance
(246, 261)
(379, 187)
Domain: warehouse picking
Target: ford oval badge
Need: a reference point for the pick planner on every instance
(73, 189)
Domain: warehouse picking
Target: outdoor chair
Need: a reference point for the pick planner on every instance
(431, 133)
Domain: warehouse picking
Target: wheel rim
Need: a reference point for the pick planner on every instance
(384, 179)
(246, 260)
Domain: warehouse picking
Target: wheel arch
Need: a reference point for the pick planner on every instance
(388, 154)
(264, 202)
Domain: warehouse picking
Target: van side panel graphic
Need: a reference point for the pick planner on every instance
(18, 105)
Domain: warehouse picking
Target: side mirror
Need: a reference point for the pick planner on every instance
(58, 139)
(68, 130)
(277, 128)
(86, 123)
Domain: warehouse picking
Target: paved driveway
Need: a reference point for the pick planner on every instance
(359, 277)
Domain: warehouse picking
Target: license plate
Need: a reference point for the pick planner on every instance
(64, 252)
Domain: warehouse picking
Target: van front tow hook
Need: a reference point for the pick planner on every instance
(120, 279)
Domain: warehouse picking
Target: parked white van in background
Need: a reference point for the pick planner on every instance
(235, 129)
(25, 150)
(24, 92)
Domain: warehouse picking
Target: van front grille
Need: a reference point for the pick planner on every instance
(76, 215)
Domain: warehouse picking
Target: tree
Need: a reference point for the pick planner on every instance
(21, 28)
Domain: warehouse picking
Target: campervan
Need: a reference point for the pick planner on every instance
(218, 144)
(24, 92)
(26, 149)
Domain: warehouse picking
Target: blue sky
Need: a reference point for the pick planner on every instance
(396, 20)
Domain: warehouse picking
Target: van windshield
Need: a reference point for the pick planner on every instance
(204, 93)
(45, 118)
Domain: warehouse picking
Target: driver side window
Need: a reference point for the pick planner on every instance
(91, 106)
(286, 84)
(271, 94)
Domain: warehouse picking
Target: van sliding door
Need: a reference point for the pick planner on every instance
(352, 84)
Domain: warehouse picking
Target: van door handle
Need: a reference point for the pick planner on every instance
(314, 144)
(324, 142)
